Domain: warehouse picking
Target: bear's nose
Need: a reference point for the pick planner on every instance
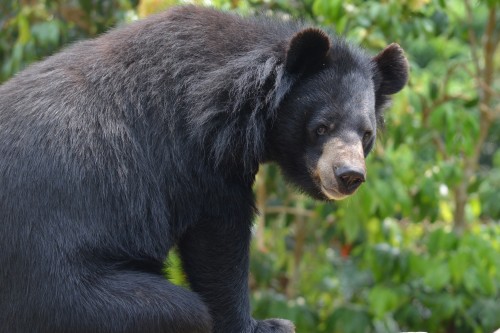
(349, 178)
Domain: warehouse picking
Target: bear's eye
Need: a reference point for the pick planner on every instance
(321, 130)
(367, 136)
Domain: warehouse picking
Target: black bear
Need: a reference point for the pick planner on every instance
(119, 148)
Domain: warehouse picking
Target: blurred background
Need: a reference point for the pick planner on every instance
(418, 247)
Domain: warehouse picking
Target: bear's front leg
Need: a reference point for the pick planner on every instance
(215, 255)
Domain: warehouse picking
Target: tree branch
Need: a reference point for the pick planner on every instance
(472, 38)
(486, 95)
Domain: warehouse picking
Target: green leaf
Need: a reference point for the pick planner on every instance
(24, 29)
(441, 241)
(458, 264)
(438, 276)
(348, 320)
(433, 89)
(46, 32)
(496, 159)
(383, 300)
(475, 206)
(471, 281)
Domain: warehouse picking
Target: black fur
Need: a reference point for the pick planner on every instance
(119, 148)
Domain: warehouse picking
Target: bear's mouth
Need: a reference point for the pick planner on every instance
(332, 194)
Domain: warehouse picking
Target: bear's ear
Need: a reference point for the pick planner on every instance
(392, 70)
(306, 49)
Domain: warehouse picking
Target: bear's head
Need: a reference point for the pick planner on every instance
(327, 123)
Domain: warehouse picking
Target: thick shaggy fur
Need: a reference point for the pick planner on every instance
(119, 148)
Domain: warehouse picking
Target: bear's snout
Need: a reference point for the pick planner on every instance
(341, 169)
(349, 178)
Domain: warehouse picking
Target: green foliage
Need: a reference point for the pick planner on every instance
(36, 29)
(410, 277)
(394, 258)
(417, 247)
